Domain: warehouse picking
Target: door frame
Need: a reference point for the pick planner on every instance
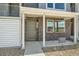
(29, 19)
(23, 31)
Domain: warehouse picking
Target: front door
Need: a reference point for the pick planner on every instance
(31, 29)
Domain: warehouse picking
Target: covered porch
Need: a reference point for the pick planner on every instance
(44, 14)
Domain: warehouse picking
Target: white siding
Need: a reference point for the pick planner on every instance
(10, 32)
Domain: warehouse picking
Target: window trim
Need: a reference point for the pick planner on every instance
(48, 7)
(47, 26)
(54, 26)
(64, 27)
(11, 5)
(55, 8)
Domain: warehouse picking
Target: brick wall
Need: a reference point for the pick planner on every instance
(54, 36)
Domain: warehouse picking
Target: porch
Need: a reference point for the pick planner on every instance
(41, 13)
(35, 47)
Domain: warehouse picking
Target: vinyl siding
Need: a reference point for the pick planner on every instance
(10, 32)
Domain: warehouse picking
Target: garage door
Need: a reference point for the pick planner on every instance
(10, 32)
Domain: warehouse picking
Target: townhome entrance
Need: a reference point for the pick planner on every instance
(31, 29)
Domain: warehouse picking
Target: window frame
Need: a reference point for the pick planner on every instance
(64, 26)
(54, 26)
(11, 5)
(47, 24)
(49, 7)
(55, 8)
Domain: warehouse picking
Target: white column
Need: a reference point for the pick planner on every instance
(43, 30)
(75, 30)
(23, 30)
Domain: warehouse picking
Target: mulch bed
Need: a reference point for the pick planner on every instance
(11, 52)
(71, 52)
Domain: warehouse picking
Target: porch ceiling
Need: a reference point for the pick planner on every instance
(48, 13)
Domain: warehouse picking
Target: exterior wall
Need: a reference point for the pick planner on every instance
(76, 7)
(68, 7)
(4, 10)
(50, 36)
(72, 27)
(9, 10)
(77, 10)
(42, 5)
(40, 29)
(34, 5)
(54, 36)
(14, 9)
(10, 32)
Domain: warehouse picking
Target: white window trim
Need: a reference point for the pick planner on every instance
(47, 26)
(50, 8)
(64, 27)
(55, 8)
(53, 27)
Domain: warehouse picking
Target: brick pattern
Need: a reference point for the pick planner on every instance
(54, 36)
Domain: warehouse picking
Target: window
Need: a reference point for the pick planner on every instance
(55, 26)
(50, 26)
(59, 5)
(56, 6)
(50, 5)
(59, 26)
(14, 9)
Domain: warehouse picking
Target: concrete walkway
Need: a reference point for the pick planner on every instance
(33, 48)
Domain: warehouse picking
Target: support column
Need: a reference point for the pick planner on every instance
(23, 30)
(43, 30)
(75, 30)
(77, 26)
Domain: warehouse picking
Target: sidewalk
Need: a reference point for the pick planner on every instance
(33, 48)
